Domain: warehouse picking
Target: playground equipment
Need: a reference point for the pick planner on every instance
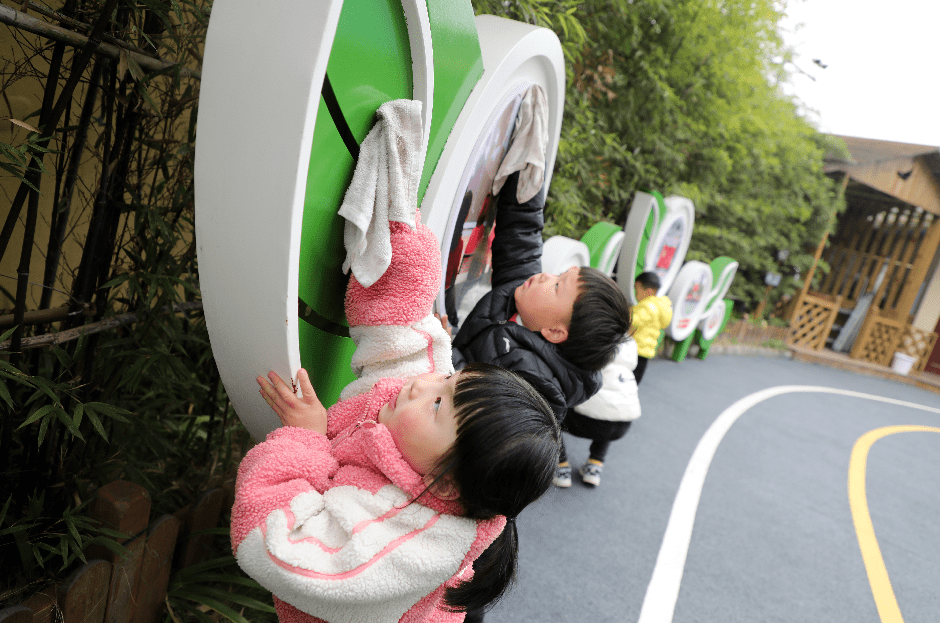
(287, 95)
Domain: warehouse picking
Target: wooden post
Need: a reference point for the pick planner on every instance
(918, 273)
(44, 605)
(759, 312)
(820, 248)
(16, 614)
(125, 507)
(155, 570)
(203, 515)
(83, 596)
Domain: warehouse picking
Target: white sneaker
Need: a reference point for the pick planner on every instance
(562, 476)
(591, 473)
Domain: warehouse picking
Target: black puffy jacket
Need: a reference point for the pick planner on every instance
(487, 335)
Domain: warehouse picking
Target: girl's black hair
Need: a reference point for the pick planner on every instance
(503, 460)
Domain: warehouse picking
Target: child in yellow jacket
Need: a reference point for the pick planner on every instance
(651, 315)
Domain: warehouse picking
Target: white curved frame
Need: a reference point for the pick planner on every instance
(677, 209)
(611, 253)
(721, 287)
(690, 274)
(711, 322)
(513, 53)
(251, 166)
(561, 253)
(422, 61)
(643, 204)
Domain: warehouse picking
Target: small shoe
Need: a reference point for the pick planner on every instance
(562, 476)
(591, 473)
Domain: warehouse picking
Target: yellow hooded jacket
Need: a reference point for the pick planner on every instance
(650, 316)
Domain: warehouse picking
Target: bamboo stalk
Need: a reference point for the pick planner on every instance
(54, 339)
(32, 209)
(42, 316)
(78, 68)
(57, 236)
(74, 23)
(83, 286)
(22, 21)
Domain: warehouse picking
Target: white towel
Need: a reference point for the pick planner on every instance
(384, 188)
(527, 149)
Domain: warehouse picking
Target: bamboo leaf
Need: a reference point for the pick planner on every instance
(23, 124)
(242, 600)
(73, 531)
(77, 414)
(6, 507)
(95, 422)
(37, 414)
(43, 427)
(212, 604)
(189, 607)
(15, 155)
(69, 424)
(5, 393)
(45, 386)
(122, 65)
(117, 280)
(62, 356)
(136, 72)
(111, 411)
(113, 546)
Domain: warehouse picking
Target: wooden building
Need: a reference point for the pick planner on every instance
(881, 295)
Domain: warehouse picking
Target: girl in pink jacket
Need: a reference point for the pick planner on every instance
(378, 509)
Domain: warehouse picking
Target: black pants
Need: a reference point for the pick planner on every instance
(640, 368)
(600, 432)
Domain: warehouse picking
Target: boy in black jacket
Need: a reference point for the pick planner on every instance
(556, 331)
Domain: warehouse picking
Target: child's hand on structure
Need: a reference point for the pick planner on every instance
(306, 412)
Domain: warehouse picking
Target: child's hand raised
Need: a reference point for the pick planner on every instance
(306, 412)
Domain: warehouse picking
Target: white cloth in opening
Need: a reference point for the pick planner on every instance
(384, 188)
(526, 152)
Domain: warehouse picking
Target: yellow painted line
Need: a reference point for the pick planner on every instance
(659, 604)
(881, 590)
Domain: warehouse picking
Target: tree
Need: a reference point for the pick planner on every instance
(683, 97)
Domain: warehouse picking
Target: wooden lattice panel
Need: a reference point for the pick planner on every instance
(812, 322)
(878, 339)
(917, 343)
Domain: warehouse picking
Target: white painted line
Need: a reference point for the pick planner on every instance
(660, 602)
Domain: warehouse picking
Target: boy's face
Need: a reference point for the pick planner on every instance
(641, 291)
(422, 419)
(545, 303)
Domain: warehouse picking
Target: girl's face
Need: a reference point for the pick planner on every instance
(422, 419)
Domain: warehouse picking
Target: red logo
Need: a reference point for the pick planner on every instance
(665, 257)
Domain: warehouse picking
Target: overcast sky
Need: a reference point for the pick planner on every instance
(882, 74)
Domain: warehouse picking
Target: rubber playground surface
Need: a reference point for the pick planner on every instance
(751, 489)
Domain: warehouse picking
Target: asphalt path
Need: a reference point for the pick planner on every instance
(771, 533)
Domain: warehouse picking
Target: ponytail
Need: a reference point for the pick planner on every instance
(493, 574)
(503, 460)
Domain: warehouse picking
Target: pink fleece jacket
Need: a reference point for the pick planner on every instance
(327, 522)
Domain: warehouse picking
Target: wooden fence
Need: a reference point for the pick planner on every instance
(812, 320)
(880, 337)
(131, 589)
(743, 331)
